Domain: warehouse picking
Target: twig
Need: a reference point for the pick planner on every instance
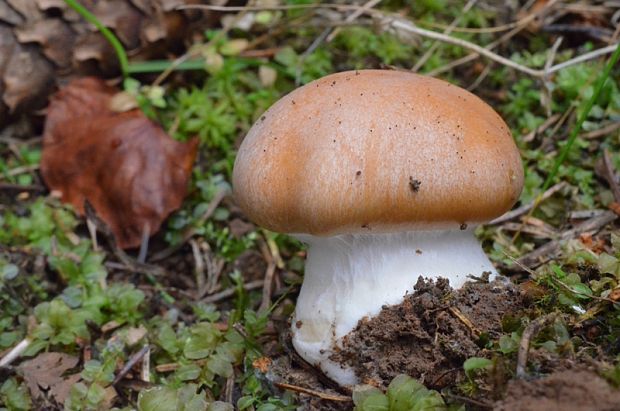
(15, 353)
(353, 16)
(189, 233)
(462, 398)
(400, 24)
(20, 170)
(314, 393)
(545, 125)
(20, 187)
(229, 292)
(610, 175)
(129, 365)
(199, 269)
(527, 207)
(530, 332)
(603, 131)
(267, 284)
(144, 244)
(420, 63)
(129, 262)
(466, 321)
(230, 388)
(146, 365)
(548, 251)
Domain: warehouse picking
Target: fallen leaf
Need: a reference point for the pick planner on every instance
(53, 35)
(45, 373)
(124, 164)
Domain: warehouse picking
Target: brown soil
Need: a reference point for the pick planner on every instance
(572, 390)
(430, 334)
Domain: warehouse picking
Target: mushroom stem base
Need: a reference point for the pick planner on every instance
(349, 277)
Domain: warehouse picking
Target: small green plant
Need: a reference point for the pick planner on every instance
(403, 394)
(14, 396)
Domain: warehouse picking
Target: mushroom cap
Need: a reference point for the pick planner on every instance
(376, 151)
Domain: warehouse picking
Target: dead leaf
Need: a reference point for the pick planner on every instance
(45, 373)
(27, 77)
(54, 36)
(124, 164)
(238, 227)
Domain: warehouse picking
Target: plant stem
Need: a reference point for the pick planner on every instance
(110, 37)
(582, 117)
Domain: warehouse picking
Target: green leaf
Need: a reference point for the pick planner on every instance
(476, 363)
(15, 396)
(202, 342)
(167, 338)
(220, 406)
(509, 343)
(220, 365)
(188, 372)
(403, 392)
(374, 402)
(245, 402)
(157, 399)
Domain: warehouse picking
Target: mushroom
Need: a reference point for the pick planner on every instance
(384, 175)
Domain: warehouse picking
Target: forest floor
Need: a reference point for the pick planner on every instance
(199, 318)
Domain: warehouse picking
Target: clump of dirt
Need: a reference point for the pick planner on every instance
(430, 334)
(570, 390)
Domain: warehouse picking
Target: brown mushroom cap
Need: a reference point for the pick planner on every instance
(376, 151)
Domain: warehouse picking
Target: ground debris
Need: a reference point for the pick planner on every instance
(423, 338)
(46, 374)
(570, 390)
(125, 165)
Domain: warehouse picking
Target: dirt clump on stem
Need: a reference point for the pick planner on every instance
(430, 334)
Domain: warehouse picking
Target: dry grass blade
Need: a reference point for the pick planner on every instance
(530, 332)
(314, 393)
(549, 250)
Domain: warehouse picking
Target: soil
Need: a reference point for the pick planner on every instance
(570, 390)
(431, 333)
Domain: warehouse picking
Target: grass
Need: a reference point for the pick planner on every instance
(59, 293)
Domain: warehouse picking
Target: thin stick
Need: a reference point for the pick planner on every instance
(527, 207)
(466, 321)
(229, 292)
(15, 353)
(146, 365)
(400, 24)
(418, 65)
(353, 16)
(533, 259)
(189, 233)
(411, 28)
(314, 393)
(610, 175)
(199, 269)
(524, 345)
(267, 284)
(603, 131)
(545, 125)
(129, 365)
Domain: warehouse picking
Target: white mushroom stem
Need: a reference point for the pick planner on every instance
(349, 277)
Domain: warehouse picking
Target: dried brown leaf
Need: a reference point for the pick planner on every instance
(123, 18)
(124, 164)
(8, 15)
(46, 373)
(54, 36)
(27, 77)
